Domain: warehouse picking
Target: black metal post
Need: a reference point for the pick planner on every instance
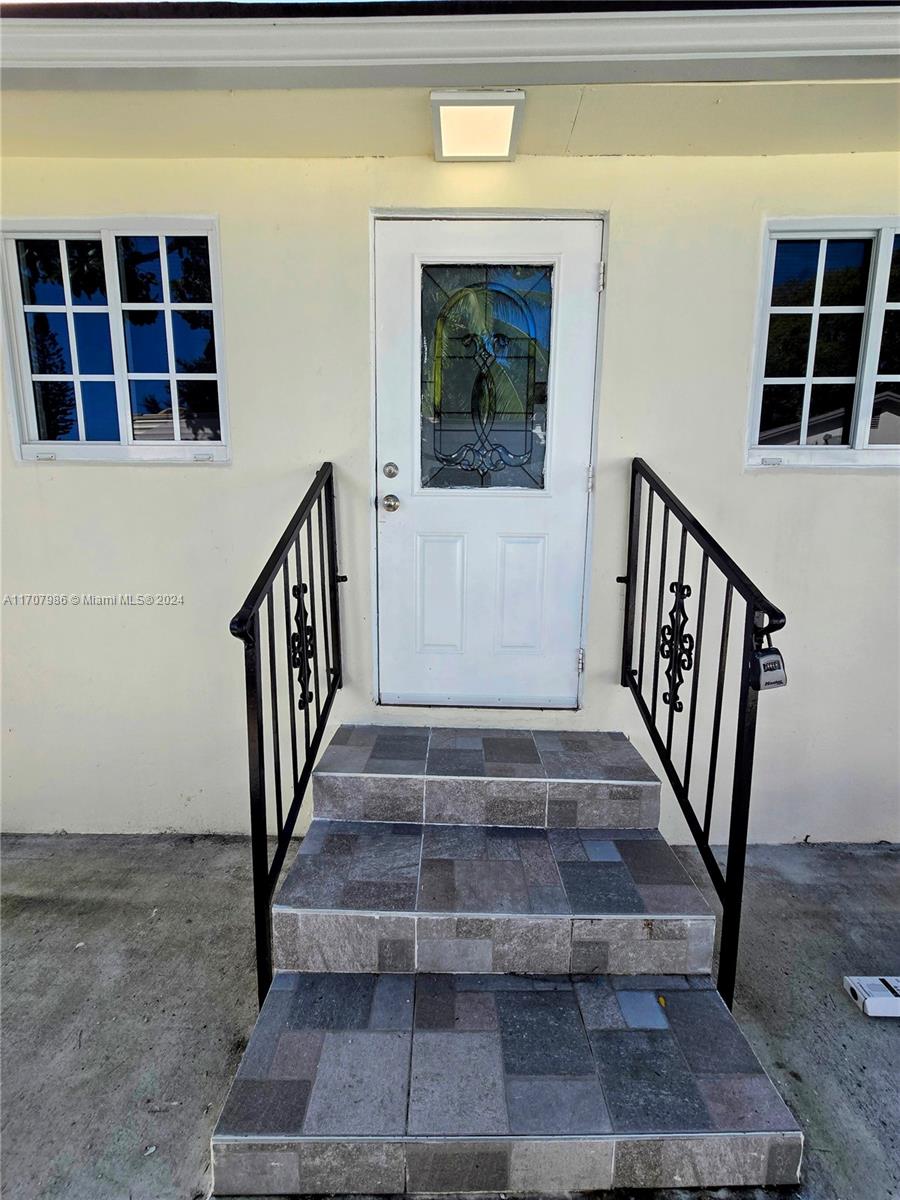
(262, 915)
(333, 579)
(634, 530)
(740, 817)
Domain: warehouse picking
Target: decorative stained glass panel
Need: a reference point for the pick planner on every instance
(485, 362)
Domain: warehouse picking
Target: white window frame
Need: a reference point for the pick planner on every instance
(27, 445)
(882, 231)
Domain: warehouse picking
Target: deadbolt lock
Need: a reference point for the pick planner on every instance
(391, 470)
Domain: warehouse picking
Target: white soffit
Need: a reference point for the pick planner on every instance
(458, 51)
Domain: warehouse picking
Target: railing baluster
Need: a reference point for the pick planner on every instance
(659, 607)
(258, 823)
(676, 649)
(292, 700)
(326, 640)
(698, 647)
(634, 530)
(644, 585)
(301, 653)
(312, 615)
(273, 687)
(333, 580)
(717, 711)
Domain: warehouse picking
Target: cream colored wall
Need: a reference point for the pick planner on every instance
(131, 719)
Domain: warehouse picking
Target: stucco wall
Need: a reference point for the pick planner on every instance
(131, 719)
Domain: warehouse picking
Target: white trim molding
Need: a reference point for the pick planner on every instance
(847, 42)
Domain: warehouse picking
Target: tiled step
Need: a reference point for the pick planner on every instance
(384, 1084)
(396, 897)
(485, 777)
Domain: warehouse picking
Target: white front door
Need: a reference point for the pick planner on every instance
(486, 342)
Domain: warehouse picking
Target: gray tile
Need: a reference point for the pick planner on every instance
(331, 1002)
(455, 762)
(647, 1083)
(437, 886)
(401, 745)
(394, 766)
(264, 1106)
(255, 1171)
(393, 1002)
(363, 895)
(548, 1168)
(490, 887)
(543, 899)
(600, 768)
(672, 898)
(454, 842)
(708, 1035)
(360, 1085)
(590, 956)
(542, 1034)
(531, 945)
(460, 801)
(454, 954)
(397, 954)
(745, 1102)
(367, 797)
(718, 1161)
(642, 1010)
(372, 1167)
(296, 1054)
(456, 1085)
(649, 983)
(609, 805)
(474, 1012)
(435, 1008)
(601, 851)
(783, 1164)
(556, 1106)
(652, 862)
(635, 944)
(335, 941)
(511, 748)
(521, 803)
(447, 1167)
(599, 1007)
(567, 845)
(600, 887)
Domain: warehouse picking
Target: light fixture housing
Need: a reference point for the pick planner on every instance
(476, 126)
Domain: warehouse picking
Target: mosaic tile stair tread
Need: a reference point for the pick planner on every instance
(390, 1084)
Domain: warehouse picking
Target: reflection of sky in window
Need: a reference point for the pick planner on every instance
(101, 417)
(145, 341)
(796, 264)
(93, 343)
(193, 336)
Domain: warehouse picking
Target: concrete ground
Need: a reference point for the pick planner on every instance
(128, 995)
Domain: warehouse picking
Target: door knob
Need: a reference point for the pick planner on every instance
(390, 503)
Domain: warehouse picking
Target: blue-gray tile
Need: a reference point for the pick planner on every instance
(556, 1106)
(601, 851)
(393, 1003)
(261, 1106)
(642, 1010)
(647, 1082)
(456, 1085)
(600, 888)
(708, 1036)
(360, 1086)
(543, 1034)
(329, 1001)
(455, 762)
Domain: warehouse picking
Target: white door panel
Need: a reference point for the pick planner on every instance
(486, 336)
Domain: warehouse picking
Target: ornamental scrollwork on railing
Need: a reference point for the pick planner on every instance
(303, 645)
(676, 646)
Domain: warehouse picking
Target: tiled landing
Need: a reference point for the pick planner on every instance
(381, 1084)
(491, 777)
(395, 897)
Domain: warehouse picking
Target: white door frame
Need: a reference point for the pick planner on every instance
(477, 214)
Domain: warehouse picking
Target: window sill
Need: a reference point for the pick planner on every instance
(791, 457)
(194, 454)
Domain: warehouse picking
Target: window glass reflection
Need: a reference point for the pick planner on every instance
(145, 341)
(93, 344)
(796, 264)
(87, 281)
(893, 292)
(837, 343)
(885, 427)
(198, 411)
(101, 414)
(846, 278)
(151, 410)
(781, 415)
(48, 343)
(188, 265)
(830, 421)
(195, 349)
(889, 354)
(788, 345)
(54, 406)
(140, 273)
(40, 271)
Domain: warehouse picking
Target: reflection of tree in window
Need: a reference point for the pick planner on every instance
(87, 280)
(139, 269)
(55, 409)
(188, 259)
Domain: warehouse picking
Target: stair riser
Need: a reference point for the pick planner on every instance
(401, 942)
(529, 802)
(515, 1166)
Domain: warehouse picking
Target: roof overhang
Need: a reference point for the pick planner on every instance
(646, 45)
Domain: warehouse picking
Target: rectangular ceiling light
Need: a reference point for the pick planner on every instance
(475, 126)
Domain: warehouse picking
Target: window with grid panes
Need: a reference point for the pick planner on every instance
(828, 370)
(118, 345)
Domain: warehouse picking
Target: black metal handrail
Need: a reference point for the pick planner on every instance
(701, 558)
(281, 759)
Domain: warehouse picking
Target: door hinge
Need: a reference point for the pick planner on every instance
(590, 479)
(581, 660)
(601, 275)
